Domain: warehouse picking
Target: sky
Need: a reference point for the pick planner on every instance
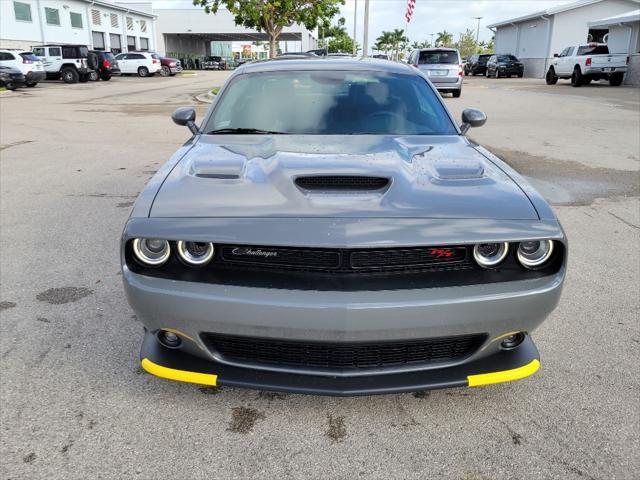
(433, 16)
(429, 16)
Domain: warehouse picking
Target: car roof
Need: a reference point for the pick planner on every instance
(325, 63)
(438, 49)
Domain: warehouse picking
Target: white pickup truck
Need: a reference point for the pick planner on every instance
(584, 63)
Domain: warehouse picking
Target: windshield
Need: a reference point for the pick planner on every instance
(446, 57)
(331, 103)
(507, 58)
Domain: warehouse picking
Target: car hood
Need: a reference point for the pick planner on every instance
(255, 176)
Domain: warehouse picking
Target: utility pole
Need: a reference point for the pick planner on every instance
(478, 31)
(355, 24)
(432, 35)
(366, 29)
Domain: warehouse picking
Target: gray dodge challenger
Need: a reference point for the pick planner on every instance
(329, 229)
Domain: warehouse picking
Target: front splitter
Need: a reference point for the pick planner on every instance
(502, 366)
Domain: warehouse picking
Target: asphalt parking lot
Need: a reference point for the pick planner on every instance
(76, 404)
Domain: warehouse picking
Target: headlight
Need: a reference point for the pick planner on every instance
(532, 254)
(195, 253)
(490, 254)
(151, 251)
(172, 64)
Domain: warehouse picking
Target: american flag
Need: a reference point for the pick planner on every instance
(411, 4)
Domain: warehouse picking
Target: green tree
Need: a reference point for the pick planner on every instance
(393, 42)
(342, 43)
(271, 16)
(337, 39)
(444, 39)
(467, 44)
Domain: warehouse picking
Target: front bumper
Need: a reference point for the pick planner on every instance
(175, 70)
(501, 366)
(511, 70)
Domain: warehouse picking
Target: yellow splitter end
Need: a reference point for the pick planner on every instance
(504, 376)
(179, 375)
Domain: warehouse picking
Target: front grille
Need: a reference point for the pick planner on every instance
(342, 356)
(281, 256)
(342, 183)
(344, 260)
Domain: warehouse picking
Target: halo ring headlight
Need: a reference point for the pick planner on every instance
(489, 255)
(151, 251)
(195, 253)
(532, 254)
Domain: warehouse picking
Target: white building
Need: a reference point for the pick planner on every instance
(536, 37)
(132, 25)
(99, 24)
(624, 36)
(190, 31)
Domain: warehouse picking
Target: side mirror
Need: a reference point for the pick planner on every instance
(555, 55)
(472, 117)
(186, 116)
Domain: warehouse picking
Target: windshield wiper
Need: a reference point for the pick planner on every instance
(241, 130)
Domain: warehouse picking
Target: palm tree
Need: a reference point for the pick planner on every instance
(445, 39)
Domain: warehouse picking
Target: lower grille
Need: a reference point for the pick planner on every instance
(342, 356)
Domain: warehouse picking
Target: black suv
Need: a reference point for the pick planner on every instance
(107, 66)
(11, 78)
(477, 65)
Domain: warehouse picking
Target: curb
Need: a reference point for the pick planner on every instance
(205, 97)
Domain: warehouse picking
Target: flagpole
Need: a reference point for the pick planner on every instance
(355, 24)
(366, 29)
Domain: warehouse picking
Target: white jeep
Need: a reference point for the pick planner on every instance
(72, 63)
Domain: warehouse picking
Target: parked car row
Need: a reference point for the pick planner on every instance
(76, 63)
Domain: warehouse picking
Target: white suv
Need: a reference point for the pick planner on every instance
(26, 62)
(141, 63)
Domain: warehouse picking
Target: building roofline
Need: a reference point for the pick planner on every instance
(120, 7)
(548, 11)
(628, 17)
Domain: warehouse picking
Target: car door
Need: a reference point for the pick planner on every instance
(564, 61)
(7, 59)
(124, 64)
(491, 64)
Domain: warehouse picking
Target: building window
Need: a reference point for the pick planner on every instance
(22, 11)
(144, 43)
(143, 26)
(131, 43)
(95, 17)
(116, 46)
(76, 20)
(52, 15)
(98, 40)
(129, 23)
(115, 23)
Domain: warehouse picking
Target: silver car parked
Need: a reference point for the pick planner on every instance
(329, 229)
(443, 66)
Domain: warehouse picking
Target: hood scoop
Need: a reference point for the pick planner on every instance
(342, 183)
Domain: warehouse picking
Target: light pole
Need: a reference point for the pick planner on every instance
(355, 24)
(432, 35)
(366, 28)
(478, 31)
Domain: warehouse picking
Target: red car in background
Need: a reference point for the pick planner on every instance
(170, 66)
